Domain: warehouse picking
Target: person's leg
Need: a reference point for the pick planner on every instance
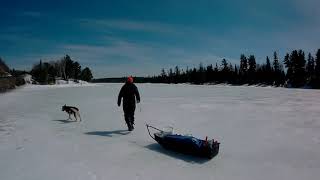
(129, 116)
(130, 120)
(132, 115)
(127, 119)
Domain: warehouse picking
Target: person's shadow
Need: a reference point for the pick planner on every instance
(108, 133)
(185, 157)
(65, 121)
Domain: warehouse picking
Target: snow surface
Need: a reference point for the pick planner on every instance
(265, 133)
(33, 87)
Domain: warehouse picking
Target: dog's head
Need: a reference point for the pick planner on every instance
(64, 107)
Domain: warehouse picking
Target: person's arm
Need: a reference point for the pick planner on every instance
(137, 94)
(120, 96)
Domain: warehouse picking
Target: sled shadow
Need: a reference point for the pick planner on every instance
(108, 133)
(64, 121)
(185, 157)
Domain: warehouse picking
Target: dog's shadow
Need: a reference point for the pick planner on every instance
(185, 157)
(65, 121)
(108, 133)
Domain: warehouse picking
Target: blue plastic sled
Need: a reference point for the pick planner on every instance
(186, 144)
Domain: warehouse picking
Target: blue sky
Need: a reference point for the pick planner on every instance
(120, 38)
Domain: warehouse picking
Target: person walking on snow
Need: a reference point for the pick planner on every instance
(129, 92)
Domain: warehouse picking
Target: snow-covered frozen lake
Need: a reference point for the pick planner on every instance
(265, 133)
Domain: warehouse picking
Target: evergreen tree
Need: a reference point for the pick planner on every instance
(236, 70)
(209, 73)
(243, 68)
(298, 62)
(177, 74)
(288, 65)
(317, 70)
(70, 71)
(77, 70)
(267, 72)
(217, 77)
(260, 74)
(170, 75)
(201, 74)
(224, 73)
(35, 71)
(252, 68)
(44, 73)
(86, 74)
(230, 75)
(216, 69)
(252, 64)
(277, 70)
(276, 64)
(193, 76)
(224, 66)
(163, 76)
(236, 74)
(177, 71)
(230, 67)
(52, 72)
(300, 69)
(187, 75)
(243, 64)
(268, 65)
(163, 73)
(310, 68)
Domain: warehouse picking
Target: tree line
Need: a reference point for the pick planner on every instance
(300, 72)
(65, 68)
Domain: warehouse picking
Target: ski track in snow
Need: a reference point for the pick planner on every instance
(265, 133)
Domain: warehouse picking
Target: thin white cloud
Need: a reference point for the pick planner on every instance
(133, 52)
(129, 25)
(122, 58)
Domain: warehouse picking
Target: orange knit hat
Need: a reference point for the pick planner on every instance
(130, 79)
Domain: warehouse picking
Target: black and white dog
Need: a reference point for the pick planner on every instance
(71, 110)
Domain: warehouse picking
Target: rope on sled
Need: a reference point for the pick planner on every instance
(152, 128)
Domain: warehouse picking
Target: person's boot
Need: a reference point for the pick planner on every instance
(131, 124)
(128, 122)
(130, 127)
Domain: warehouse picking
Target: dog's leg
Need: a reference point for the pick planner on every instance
(75, 116)
(69, 117)
(79, 116)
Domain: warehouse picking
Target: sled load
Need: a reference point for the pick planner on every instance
(186, 144)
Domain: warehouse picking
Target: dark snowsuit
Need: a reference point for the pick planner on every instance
(129, 92)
